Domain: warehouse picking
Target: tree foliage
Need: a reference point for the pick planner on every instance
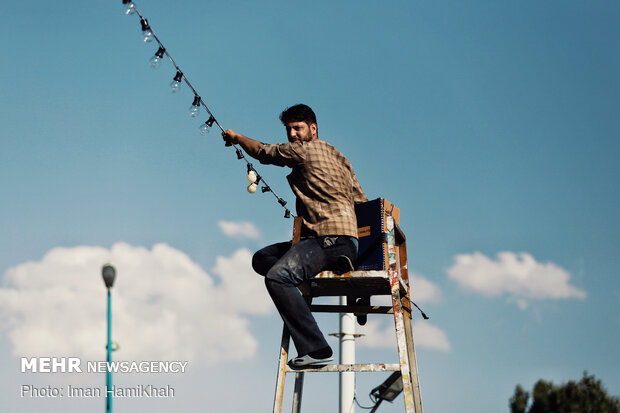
(585, 396)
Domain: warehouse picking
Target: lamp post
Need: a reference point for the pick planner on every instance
(109, 274)
(347, 356)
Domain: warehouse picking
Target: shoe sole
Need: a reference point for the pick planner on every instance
(308, 361)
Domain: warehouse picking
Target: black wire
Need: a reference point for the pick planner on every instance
(424, 316)
(363, 407)
(238, 151)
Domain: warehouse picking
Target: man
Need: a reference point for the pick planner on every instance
(326, 191)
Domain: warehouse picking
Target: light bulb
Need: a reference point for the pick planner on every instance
(252, 177)
(147, 33)
(175, 85)
(156, 59)
(195, 108)
(204, 129)
(128, 7)
(252, 188)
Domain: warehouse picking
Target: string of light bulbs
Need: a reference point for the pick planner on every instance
(148, 36)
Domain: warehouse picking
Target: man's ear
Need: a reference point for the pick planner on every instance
(313, 128)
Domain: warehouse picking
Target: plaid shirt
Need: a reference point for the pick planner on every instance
(323, 182)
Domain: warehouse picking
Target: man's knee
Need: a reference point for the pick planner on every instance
(258, 263)
(279, 274)
(267, 257)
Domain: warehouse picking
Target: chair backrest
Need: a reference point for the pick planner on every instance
(371, 229)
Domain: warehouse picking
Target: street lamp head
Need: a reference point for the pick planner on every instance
(109, 274)
(390, 388)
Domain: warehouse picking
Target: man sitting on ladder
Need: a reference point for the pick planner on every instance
(326, 191)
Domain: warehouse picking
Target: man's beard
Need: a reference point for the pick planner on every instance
(303, 138)
(307, 137)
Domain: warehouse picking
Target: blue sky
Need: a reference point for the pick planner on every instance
(492, 125)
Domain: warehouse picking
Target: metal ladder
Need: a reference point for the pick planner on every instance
(395, 282)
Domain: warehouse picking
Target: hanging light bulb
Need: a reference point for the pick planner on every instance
(176, 82)
(156, 59)
(195, 108)
(128, 7)
(252, 188)
(147, 33)
(206, 127)
(252, 177)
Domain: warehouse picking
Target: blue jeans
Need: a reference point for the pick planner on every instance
(285, 266)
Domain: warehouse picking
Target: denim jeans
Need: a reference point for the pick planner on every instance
(285, 266)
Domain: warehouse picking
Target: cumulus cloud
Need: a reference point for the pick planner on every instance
(382, 335)
(241, 282)
(165, 306)
(239, 229)
(423, 290)
(518, 275)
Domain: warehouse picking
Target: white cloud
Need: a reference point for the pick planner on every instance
(423, 290)
(239, 229)
(165, 306)
(240, 282)
(425, 335)
(518, 275)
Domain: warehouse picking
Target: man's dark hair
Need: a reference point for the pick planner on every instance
(298, 113)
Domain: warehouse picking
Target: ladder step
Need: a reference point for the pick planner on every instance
(336, 368)
(327, 308)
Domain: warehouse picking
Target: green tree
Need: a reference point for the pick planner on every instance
(585, 396)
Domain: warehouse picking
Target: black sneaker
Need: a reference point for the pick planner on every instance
(343, 265)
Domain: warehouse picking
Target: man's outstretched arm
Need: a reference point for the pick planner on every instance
(249, 145)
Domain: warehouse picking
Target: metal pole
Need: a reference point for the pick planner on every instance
(347, 356)
(108, 400)
(299, 387)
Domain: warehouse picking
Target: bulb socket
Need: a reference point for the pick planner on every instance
(145, 25)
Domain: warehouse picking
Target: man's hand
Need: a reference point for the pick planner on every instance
(250, 146)
(230, 137)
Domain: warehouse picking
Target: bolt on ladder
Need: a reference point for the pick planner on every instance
(395, 282)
